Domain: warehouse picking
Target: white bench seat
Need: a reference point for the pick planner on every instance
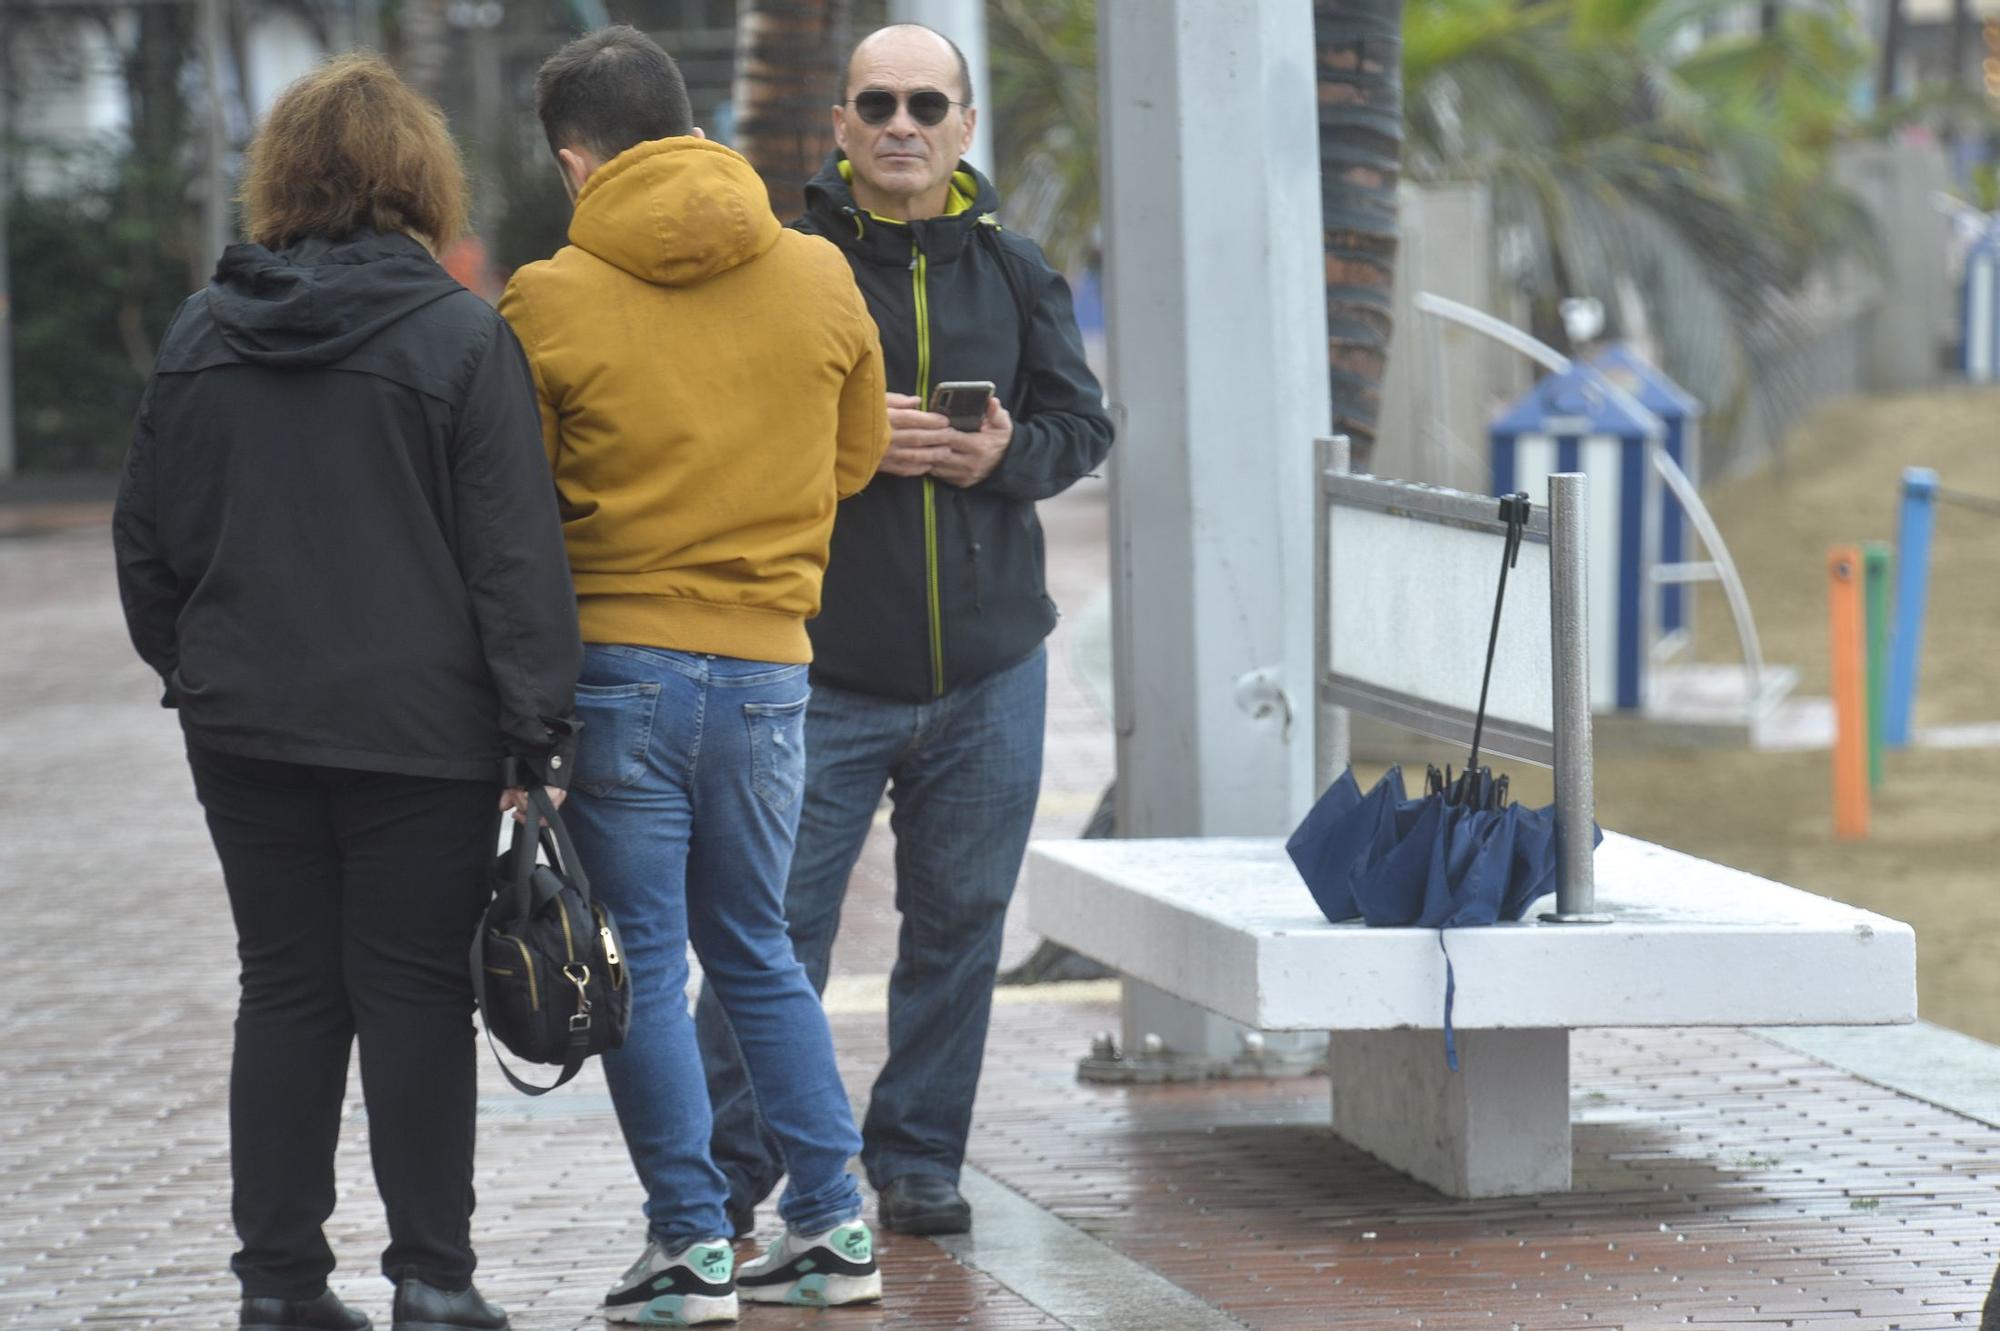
(1227, 924)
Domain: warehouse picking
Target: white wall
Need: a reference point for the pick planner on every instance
(278, 46)
(1444, 382)
(1895, 182)
(72, 96)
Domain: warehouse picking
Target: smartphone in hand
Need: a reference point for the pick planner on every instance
(963, 403)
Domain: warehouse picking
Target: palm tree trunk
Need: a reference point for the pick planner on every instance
(788, 67)
(426, 45)
(1892, 52)
(1961, 43)
(1360, 60)
(154, 195)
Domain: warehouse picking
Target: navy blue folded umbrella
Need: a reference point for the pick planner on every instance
(1432, 862)
(1455, 856)
(1459, 854)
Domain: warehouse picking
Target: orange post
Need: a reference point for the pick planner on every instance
(1846, 620)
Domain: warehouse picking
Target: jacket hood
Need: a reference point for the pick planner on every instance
(315, 302)
(830, 198)
(674, 212)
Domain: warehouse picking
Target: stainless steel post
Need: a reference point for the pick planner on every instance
(1569, 654)
(1330, 736)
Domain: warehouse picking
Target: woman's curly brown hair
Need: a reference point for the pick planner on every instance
(348, 146)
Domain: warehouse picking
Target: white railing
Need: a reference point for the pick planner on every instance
(1719, 567)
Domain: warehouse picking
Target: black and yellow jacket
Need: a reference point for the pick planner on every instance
(928, 586)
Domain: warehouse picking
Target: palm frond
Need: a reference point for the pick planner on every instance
(1043, 55)
(1627, 154)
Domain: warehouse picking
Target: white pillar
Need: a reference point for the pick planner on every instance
(1217, 374)
(964, 21)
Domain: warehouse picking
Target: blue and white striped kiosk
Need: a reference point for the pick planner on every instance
(1580, 421)
(1681, 413)
(1979, 309)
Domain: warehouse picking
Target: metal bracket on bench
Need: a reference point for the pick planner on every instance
(1155, 1064)
(1164, 1038)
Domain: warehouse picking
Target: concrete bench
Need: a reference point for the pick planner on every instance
(1640, 936)
(1227, 924)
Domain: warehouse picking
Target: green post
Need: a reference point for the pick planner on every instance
(1875, 560)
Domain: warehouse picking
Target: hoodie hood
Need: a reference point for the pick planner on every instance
(316, 302)
(674, 212)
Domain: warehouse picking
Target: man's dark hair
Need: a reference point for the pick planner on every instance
(964, 66)
(610, 90)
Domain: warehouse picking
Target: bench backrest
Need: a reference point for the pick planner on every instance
(1405, 582)
(1414, 574)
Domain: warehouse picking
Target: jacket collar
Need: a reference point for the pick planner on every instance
(830, 203)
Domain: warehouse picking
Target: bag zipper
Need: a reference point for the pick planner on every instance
(611, 957)
(528, 964)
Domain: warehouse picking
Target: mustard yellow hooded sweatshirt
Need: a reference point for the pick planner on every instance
(711, 386)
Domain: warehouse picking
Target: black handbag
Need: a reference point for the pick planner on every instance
(547, 967)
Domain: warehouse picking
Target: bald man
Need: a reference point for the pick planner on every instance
(928, 674)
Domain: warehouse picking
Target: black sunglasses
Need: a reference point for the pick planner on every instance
(878, 106)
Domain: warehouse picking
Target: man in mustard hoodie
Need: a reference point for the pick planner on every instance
(711, 386)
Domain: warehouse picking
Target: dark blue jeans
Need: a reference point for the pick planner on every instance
(684, 805)
(963, 773)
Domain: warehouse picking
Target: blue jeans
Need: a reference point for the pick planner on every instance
(684, 806)
(963, 772)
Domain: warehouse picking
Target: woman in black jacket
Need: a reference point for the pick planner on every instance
(338, 545)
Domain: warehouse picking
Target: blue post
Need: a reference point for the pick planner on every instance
(1913, 575)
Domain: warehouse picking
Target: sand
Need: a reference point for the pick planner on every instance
(1933, 855)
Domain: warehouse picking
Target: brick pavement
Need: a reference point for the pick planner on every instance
(1721, 1181)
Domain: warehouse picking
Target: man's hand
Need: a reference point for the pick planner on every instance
(971, 457)
(916, 437)
(516, 800)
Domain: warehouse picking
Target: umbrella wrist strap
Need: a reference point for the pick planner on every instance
(1513, 512)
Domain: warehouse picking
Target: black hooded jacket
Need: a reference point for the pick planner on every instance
(928, 586)
(337, 538)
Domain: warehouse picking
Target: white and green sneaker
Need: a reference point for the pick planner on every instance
(685, 1288)
(815, 1270)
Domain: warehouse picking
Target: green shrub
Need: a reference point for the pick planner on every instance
(93, 288)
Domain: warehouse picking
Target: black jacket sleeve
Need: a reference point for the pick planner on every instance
(510, 552)
(1061, 430)
(147, 585)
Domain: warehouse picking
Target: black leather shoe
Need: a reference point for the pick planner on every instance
(325, 1313)
(420, 1307)
(923, 1204)
(742, 1217)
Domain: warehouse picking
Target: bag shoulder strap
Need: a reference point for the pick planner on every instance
(1024, 309)
(563, 852)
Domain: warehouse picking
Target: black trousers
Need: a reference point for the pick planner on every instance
(355, 896)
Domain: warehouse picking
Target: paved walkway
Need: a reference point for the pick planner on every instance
(1723, 1179)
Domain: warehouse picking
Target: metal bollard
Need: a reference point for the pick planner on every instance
(1913, 576)
(1569, 643)
(1877, 564)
